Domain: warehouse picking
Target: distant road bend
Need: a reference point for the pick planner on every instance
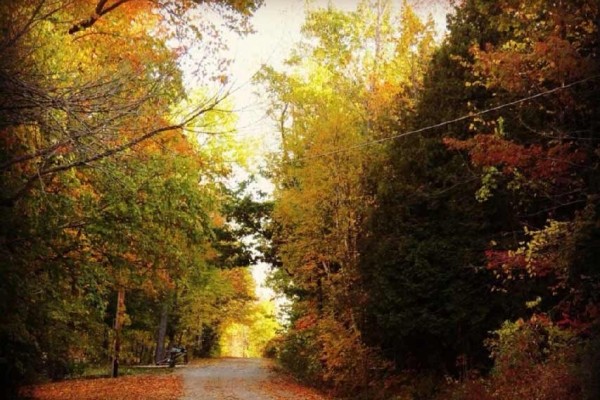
(241, 379)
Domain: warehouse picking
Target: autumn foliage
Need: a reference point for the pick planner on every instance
(428, 194)
(435, 223)
(553, 164)
(105, 226)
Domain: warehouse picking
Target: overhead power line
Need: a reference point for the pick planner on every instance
(447, 122)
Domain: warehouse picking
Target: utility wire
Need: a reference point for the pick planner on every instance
(448, 122)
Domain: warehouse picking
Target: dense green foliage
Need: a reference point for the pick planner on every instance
(424, 250)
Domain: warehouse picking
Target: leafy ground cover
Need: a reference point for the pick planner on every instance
(139, 387)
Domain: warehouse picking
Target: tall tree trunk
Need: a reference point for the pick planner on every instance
(119, 317)
(162, 333)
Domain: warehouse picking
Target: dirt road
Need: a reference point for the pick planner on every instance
(241, 379)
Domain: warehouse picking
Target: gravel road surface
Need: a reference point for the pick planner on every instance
(241, 379)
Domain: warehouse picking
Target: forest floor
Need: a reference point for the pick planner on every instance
(135, 387)
(241, 379)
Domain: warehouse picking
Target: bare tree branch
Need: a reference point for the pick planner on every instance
(98, 13)
(44, 172)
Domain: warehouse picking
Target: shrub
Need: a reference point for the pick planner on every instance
(300, 354)
(273, 347)
(533, 359)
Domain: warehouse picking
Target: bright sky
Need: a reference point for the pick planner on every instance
(277, 24)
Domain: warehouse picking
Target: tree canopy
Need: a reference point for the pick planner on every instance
(434, 221)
